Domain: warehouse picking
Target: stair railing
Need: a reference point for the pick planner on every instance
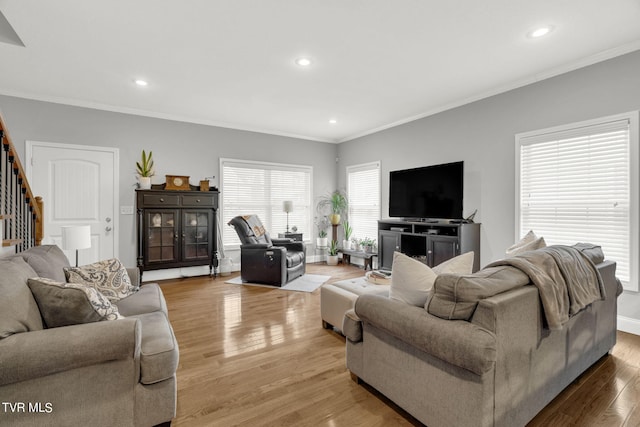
(20, 211)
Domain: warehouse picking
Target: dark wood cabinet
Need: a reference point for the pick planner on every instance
(176, 229)
(431, 243)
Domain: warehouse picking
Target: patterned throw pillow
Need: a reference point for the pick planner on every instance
(63, 304)
(109, 277)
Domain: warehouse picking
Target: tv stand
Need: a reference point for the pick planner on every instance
(429, 241)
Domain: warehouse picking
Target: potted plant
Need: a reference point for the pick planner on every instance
(336, 203)
(368, 244)
(332, 258)
(322, 223)
(346, 243)
(144, 169)
(355, 244)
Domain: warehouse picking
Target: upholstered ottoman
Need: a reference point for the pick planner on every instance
(337, 298)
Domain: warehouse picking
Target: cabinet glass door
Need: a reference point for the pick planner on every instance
(161, 226)
(196, 233)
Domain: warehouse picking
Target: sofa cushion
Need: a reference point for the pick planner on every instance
(412, 280)
(46, 260)
(109, 277)
(63, 304)
(148, 299)
(529, 242)
(18, 309)
(158, 348)
(456, 296)
(459, 343)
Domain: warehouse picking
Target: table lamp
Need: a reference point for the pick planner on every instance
(75, 237)
(287, 206)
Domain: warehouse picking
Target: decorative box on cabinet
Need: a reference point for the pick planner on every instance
(176, 228)
(429, 242)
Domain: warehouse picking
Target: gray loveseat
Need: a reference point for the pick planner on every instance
(497, 364)
(106, 373)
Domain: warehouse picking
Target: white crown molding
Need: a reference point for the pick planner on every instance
(155, 115)
(581, 63)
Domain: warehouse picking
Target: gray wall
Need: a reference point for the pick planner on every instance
(178, 148)
(483, 135)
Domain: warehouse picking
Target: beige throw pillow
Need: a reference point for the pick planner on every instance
(109, 277)
(63, 304)
(412, 280)
(529, 242)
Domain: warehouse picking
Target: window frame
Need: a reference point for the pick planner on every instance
(583, 128)
(375, 165)
(256, 164)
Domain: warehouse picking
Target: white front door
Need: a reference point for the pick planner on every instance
(79, 186)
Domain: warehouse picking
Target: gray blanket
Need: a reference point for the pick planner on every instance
(567, 280)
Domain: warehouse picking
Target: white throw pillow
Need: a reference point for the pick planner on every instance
(529, 242)
(412, 280)
(462, 264)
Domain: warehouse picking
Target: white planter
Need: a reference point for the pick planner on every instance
(144, 182)
(226, 265)
(346, 244)
(322, 242)
(332, 260)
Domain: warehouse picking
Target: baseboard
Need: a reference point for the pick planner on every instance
(628, 324)
(174, 273)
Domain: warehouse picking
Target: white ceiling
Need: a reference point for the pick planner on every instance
(376, 63)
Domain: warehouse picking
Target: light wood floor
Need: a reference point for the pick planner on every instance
(254, 356)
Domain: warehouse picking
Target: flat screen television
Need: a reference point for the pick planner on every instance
(430, 192)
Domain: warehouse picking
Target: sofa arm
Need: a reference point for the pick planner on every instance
(134, 275)
(352, 326)
(254, 246)
(457, 342)
(291, 245)
(35, 354)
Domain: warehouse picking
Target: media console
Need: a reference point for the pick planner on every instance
(428, 242)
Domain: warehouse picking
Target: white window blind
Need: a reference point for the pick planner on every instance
(363, 189)
(576, 184)
(261, 188)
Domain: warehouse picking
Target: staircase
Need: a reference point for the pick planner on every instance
(20, 212)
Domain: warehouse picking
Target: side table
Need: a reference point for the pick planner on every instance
(295, 236)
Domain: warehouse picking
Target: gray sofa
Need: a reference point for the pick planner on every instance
(106, 373)
(498, 364)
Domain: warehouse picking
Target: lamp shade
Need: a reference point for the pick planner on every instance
(287, 206)
(76, 237)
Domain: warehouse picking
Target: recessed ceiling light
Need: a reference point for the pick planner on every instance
(141, 83)
(303, 62)
(333, 121)
(540, 31)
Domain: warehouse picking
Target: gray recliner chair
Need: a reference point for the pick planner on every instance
(267, 260)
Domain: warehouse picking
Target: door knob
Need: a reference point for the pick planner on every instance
(108, 219)
(107, 229)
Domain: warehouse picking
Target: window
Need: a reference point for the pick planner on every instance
(363, 188)
(261, 188)
(579, 183)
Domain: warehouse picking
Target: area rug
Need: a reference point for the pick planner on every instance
(304, 283)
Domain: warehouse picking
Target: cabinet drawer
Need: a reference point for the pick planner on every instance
(203, 200)
(157, 200)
